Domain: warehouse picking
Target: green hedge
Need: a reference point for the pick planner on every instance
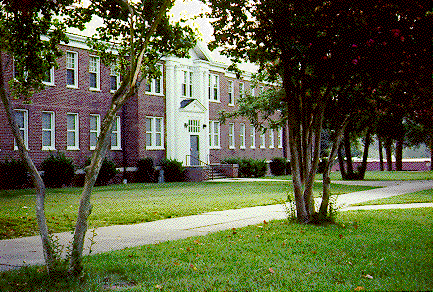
(249, 167)
(58, 170)
(145, 171)
(13, 174)
(173, 170)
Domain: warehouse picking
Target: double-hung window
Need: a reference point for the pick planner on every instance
(253, 136)
(72, 124)
(49, 77)
(48, 131)
(253, 91)
(271, 138)
(72, 69)
(154, 133)
(22, 120)
(95, 129)
(241, 90)
(242, 136)
(213, 89)
(186, 86)
(116, 143)
(231, 135)
(214, 134)
(114, 78)
(94, 73)
(231, 90)
(262, 140)
(154, 86)
(280, 137)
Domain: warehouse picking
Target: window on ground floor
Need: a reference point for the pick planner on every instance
(154, 133)
(48, 131)
(116, 142)
(22, 120)
(214, 134)
(72, 125)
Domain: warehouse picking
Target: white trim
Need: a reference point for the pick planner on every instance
(231, 92)
(75, 130)
(214, 84)
(271, 139)
(96, 131)
(214, 136)
(25, 128)
(262, 140)
(232, 136)
(51, 82)
(153, 133)
(241, 92)
(280, 137)
(95, 68)
(117, 133)
(51, 130)
(186, 86)
(154, 82)
(252, 136)
(114, 73)
(242, 136)
(75, 68)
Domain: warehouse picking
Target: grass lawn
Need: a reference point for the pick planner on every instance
(386, 250)
(377, 175)
(134, 203)
(425, 196)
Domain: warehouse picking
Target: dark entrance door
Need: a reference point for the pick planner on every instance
(194, 150)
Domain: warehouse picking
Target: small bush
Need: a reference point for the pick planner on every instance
(173, 170)
(248, 167)
(145, 171)
(278, 166)
(13, 174)
(322, 165)
(107, 172)
(58, 170)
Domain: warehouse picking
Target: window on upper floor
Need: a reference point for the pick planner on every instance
(242, 136)
(94, 73)
(116, 142)
(186, 86)
(280, 137)
(214, 134)
(231, 135)
(241, 90)
(262, 140)
(72, 129)
(261, 90)
(252, 136)
(22, 120)
(48, 131)
(72, 69)
(214, 88)
(114, 78)
(49, 77)
(231, 90)
(155, 86)
(94, 130)
(154, 133)
(253, 91)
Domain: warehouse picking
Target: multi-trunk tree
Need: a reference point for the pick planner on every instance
(320, 50)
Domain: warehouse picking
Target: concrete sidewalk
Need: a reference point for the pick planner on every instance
(18, 252)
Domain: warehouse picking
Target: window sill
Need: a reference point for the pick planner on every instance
(159, 94)
(243, 148)
(72, 86)
(232, 147)
(280, 147)
(253, 147)
(271, 147)
(231, 104)
(155, 148)
(72, 148)
(215, 101)
(48, 148)
(94, 89)
(262, 147)
(92, 148)
(48, 84)
(116, 148)
(218, 147)
(113, 91)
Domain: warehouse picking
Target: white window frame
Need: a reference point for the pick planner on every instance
(51, 130)
(262, 140)
(114, 73)
(153, 82)
(75, 131)
(51, 75)
(74, 68)
(231, 93)
(253, 91)
(261, 89)
(271, 138)
(242, 136)
(214, 88)
(231, 136)
(95, 68)
(241, 90)
(252, 136)
(280, 137)
(97, 131)
(116, 134)
(153, 133)
(214, 136)
(24, 129)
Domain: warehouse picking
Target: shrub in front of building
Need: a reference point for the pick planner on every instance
(249, 167)
(278, 166)
(13, 174)
(173, 170)
(58, 170)
(146, 172)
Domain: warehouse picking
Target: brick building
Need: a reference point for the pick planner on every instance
(175, 116)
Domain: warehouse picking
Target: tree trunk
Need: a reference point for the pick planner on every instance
(388, 150)
(361, 170)
(399, 154)
(431, 151)
(380, 153)
(47, 247)
(348, 153)
(341, 163)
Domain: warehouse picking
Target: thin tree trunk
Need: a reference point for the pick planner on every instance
(341, 163)
(348, 153)
(431, 151)
(399, 154)
(380, 153)
(38, 183)
(363, 168)
(388, 150)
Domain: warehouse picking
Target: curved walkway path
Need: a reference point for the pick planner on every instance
(18, 252)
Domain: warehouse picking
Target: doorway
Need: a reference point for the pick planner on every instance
(194, 153)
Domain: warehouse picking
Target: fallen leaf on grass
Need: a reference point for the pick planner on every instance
(193, 267)
(368, 276)
(198, 242)
(359, 288)
(271, 271)
(158, 286)
(264, 222)
(341, 236)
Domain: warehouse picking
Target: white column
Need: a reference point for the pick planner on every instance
(170, 101)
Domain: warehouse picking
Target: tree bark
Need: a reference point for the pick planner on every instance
(348, 153)
(47, 247)
(380, 153)
(361, 170)
(399, 154)
(388, 150)
(341, 163)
